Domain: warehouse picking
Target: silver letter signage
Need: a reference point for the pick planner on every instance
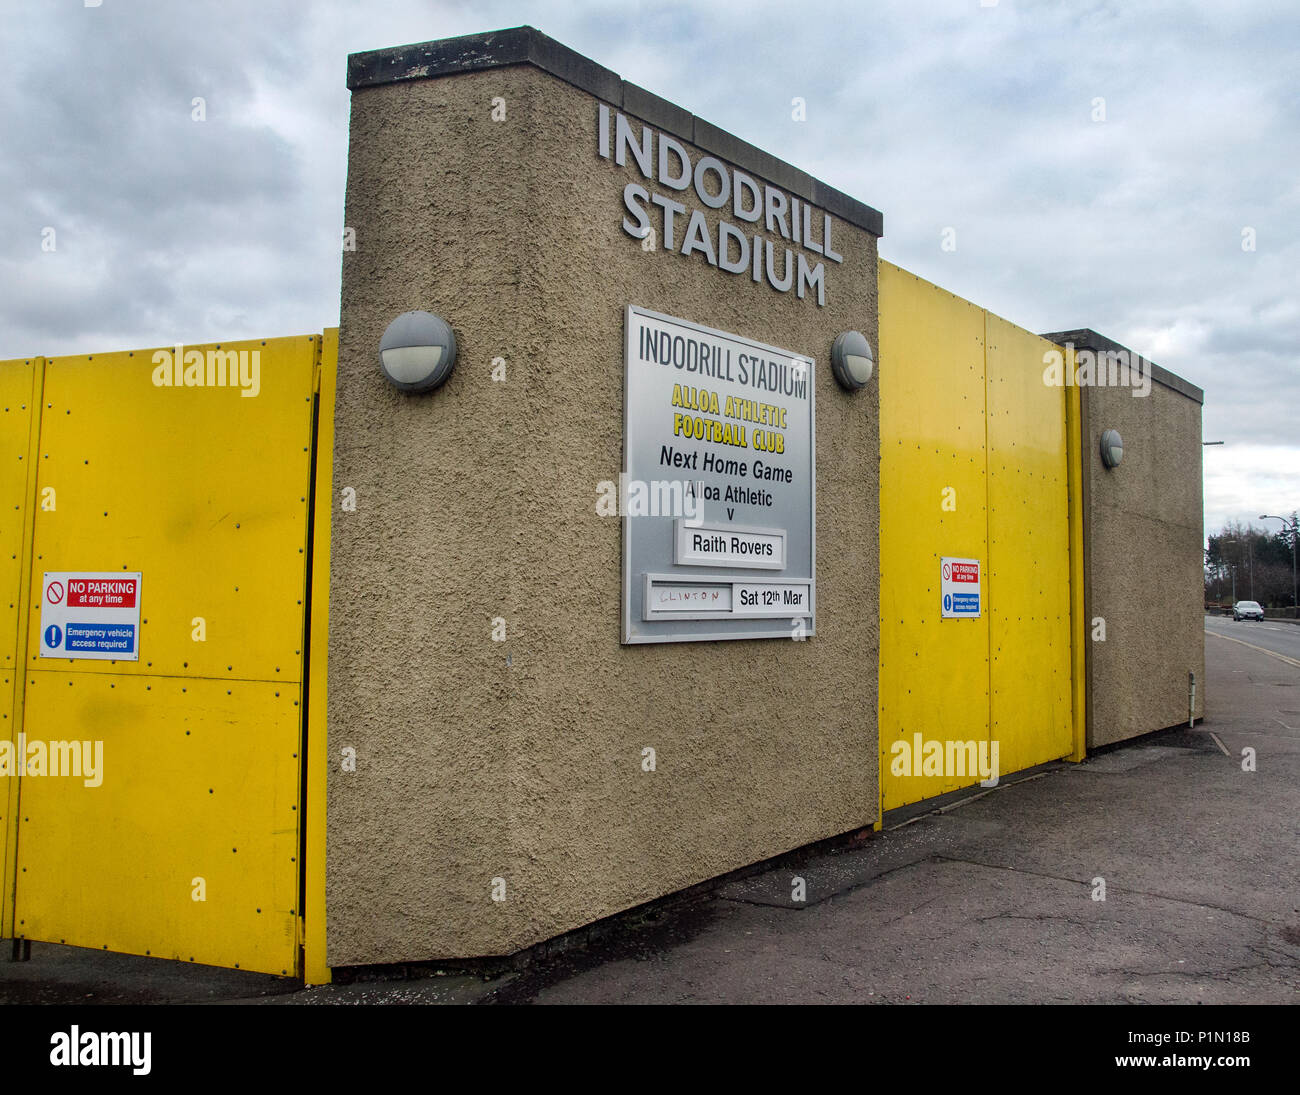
(789, 231)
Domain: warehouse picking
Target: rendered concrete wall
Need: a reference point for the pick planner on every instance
(1143, 543)
(522, 760)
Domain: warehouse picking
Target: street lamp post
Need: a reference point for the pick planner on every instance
(1294, 531)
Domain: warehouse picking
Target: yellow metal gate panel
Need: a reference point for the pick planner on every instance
(1078, 655)
(205, 491)
(934, 678)
(187, 847)
(19, 391)
(16, 415)
(201, 488)
(315, 969)
(1028, 582)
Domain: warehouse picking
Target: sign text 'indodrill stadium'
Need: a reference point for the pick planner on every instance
(733, 248)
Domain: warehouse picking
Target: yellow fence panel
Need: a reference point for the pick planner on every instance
(20, 391)
(192, 466)
(1078, 635)
(315, 969)
(934, 672)
(201, 486)
(976, 452)
(1029, 575)
(182, 840)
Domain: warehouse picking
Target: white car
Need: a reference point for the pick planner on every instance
(1247, 610)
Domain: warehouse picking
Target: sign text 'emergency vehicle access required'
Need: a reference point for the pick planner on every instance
(959, 588)
(719, 491)
(91, 614)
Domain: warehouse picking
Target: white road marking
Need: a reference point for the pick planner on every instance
(1219, 743)
(1261, 649)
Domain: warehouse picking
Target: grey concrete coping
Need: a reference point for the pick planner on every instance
(527, 46)
(1087, 339)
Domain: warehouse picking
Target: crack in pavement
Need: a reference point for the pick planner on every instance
(1209, 975)
(1042, 916)
(842, 891)
(1111, 888)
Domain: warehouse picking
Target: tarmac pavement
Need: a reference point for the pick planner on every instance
(992, 901)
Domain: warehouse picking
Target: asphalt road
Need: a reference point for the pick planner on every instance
(1281, 638)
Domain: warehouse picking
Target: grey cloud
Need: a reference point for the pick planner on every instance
(939, 115)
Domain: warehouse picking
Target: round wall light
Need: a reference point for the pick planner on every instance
(417, 351)
(1112, 448)
(851, 360)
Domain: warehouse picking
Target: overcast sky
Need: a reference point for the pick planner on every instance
(941, 113)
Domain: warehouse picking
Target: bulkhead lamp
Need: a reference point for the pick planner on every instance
(851, 360)
(417, 351)
(1112, 448)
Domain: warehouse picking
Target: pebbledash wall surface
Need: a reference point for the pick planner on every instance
(485, 670)
(500, 795)
(1142, 545)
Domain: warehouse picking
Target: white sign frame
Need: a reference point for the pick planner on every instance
(57, 591)
(733, 583)
(952, 588)
(683, 555)
(638, 576)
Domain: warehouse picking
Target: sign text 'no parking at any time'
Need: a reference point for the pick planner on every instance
(91, 614)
